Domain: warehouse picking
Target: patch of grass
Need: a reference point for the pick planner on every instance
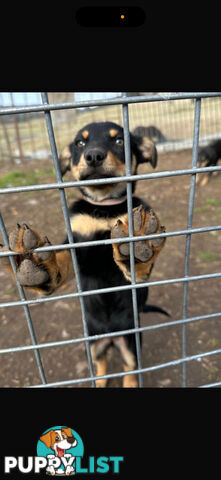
(212, 201)
(45, 172)
(202, 209)
(218, 212)
(21, 178)
(211, 204)
(209, 256)
(213, 342)
(14, 179)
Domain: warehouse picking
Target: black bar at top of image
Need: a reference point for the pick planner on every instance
(110, 16)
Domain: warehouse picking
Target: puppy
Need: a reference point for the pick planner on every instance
(208, 157)
(59, 441)
(97, 153)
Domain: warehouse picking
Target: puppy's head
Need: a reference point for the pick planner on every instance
(59, 440)
(98, 152)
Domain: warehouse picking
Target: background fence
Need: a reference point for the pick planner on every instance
(24, 137)
(36, 132)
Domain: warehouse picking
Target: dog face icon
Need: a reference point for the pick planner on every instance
(59, 440)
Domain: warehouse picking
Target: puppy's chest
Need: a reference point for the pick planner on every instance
(88, 226)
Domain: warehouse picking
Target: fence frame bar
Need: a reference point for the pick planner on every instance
(189, 226)
(68, 228)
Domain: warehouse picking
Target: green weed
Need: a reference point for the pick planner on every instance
(211, 205)
(22, 178)
(15, 179)
(212, 201)
(209, 256)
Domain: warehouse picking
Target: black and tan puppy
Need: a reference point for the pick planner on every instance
(97, 152)
(208, 157)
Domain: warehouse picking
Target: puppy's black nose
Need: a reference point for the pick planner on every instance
(95, 157)
(70, 439)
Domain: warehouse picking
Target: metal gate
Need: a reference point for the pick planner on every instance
(60, 185)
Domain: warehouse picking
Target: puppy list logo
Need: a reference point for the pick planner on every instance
(59, 452)
(53, 445)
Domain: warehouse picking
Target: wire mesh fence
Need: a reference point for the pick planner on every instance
(199, 112)
(23, 136)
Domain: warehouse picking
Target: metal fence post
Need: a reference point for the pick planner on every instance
(189, 224)
(68, 226)
(130, 225)
(26, 307)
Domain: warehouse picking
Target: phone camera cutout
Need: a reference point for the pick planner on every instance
(110, 16)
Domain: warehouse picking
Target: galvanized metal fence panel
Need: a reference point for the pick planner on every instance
(60, 185)
(24, 135)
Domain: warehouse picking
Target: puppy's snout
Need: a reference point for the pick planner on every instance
(95, 157)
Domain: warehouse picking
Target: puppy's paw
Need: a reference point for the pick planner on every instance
(145, 251)
(34, 269)
(31, 267)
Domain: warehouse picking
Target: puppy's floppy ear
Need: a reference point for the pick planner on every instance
(65, 159)
(47, 438)
(67, 431)
(145, 150)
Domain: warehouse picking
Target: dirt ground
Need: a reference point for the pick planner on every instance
(61, 320)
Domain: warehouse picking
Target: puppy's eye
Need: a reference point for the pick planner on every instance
(80, 143)
(119, 141)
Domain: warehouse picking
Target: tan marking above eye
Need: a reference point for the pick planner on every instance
(85, 134)
(113, 132)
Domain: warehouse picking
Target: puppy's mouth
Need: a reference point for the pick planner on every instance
(95, 174)
(60, 451)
